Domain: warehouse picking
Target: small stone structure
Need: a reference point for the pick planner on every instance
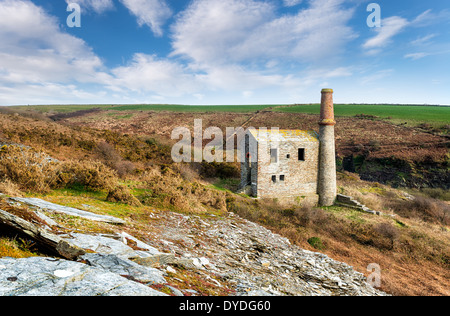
(291, 168)
(292, 165)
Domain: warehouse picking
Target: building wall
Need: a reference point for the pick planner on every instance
(249, 166)
(300, 177)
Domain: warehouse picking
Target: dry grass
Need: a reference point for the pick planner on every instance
(412, 248)
(393, 201)
(15, 248)
(399, 245)
(10, 188)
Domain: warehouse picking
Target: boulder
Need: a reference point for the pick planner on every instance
(38, 276)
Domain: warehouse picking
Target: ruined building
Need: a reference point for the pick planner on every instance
(292, 165)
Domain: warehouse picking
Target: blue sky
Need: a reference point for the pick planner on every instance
(224, 52)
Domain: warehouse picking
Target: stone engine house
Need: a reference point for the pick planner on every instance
(292, 165)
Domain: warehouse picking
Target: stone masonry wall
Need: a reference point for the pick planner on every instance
(249, 167)
(300, 177)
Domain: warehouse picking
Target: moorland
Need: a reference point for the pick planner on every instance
(117, 158)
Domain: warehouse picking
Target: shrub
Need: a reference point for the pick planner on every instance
(123, 195)
(87, 145)
(219, 170)
(437, 193)
(112, 159)
(107, 154)
(29, 170)
(168, 188)
(388, 231)
(15, 248)
(316, 243)
(187, 172)
(93, 175)
(424, 208)
(307, 216)
(10, 188)
(124, 168)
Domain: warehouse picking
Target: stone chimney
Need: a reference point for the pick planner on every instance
(327, 156)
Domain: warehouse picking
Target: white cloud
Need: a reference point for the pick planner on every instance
(416, 56)
(153, 13)
(37, 68)
(237, 49)
(376, 76)
(233, 31)
(49, 93)
(423, 40)
(29, 54)
(147, 73)
(209, 29)
(98, 6)
(392, 26)
(389, 28)
(429, 17)
(37, 58)
(292, 3)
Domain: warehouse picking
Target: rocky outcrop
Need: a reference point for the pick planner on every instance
(255, 260)
(51, 207)
(227, 253)
(53, 277)
(42, 236)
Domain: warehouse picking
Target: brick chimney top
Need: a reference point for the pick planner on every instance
(327, 108)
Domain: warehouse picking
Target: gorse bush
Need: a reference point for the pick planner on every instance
(33, 171)
(72, 142)
(28, 169)
(167, 188)
(93, 175)
(123, 195)
(110, 157)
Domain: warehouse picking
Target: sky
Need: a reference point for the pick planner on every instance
(224, 51)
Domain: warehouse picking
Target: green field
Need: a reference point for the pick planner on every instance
(412, 114)
(395, 113)
(192, 108)
(147, 107)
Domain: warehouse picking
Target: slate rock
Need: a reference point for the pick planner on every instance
(126, 268)
(44, 205)
(101, 244)
(38, 276)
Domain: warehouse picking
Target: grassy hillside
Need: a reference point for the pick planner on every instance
(128, 174)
